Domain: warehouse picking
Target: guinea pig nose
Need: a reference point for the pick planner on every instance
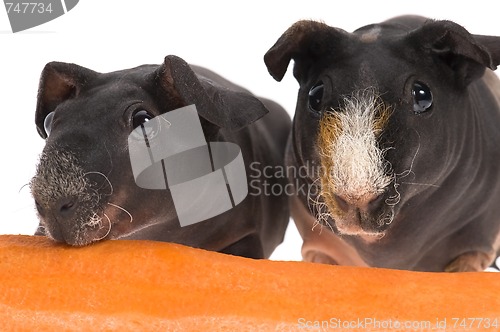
(341, 203)
(67, 206)
(368, 203)
(377, 201)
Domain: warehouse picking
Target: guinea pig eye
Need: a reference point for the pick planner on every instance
(315, 97)
(150, 125)
(422, 97)
(140, 117)
(47, 123)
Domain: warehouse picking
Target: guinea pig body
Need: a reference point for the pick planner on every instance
(398, 124)
(85, 188)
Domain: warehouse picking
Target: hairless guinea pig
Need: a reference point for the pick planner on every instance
(85, 187)
(398, 128)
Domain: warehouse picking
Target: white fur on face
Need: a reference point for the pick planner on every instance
(59, 176)
(355, 164)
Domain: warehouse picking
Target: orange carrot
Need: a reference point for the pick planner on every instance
(151, 286)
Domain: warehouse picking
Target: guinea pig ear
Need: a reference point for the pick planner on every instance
(221, 106)
(492, 45)
(467, 55)
(59, 82)
(307, 43)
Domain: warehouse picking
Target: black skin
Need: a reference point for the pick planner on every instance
(447, 218)
(93, 119)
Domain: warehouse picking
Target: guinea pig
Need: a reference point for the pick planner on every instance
(85, 189)
(397, 125)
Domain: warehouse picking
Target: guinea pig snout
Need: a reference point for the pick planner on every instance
(66, 200)
(369, 215)
(355, 175)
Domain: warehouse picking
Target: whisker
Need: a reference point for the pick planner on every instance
(105, 178)
(168, 122)
(22, 187)
(315, 207)
(109, 229)
(395, 198)
(422, 184)
(311, 203)
(327, 223)
(94, 220)
(397, 176)
(409, 171)
(110, 157)
(389, 218)
(316, 223)
(119, 207)
(41, 228)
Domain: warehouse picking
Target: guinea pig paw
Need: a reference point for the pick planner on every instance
(473, 261)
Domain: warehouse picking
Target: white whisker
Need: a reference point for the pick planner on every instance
(409, 171)
(321, 213)
(94, 220)
(119, 207)
(422, 184)
(311, 203)
(395, 198)
(105, 178)
(109, 229)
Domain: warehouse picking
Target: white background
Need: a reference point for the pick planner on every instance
(229, 37)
